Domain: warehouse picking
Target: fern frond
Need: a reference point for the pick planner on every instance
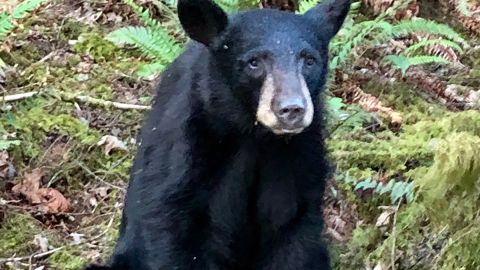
(152, 69)
(351, 37)
(397, 189)
(143, 14)
(5, 145)
(228, 5)
(6, 25)
(418, 25)
(404, 62)
(431, 42)
(26, 7)
(157, 43)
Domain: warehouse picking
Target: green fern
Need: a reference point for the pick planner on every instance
(419, 25)
(373, 32)
(20, 11)
(397, 189)
(160, 40)
(5, 145)
(342, 116)
(143, 14)
(404, 62)
(228, 5)
(431, 42)
(156, 44)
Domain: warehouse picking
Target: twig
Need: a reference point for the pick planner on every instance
(34, 256)
(394, 232)
(16, 97)
(79, 98)
(107, 103)
(85, 168)
(109, 225)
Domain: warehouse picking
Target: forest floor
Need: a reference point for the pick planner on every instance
(62, 186)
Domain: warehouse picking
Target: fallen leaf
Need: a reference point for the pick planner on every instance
(30, 186)
(54, 201)
(112, 143)
(42, 242)
(50, 200)
(384, 218)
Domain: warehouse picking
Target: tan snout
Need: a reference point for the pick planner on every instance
(285, 105)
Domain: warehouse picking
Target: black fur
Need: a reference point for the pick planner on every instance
(211, 190)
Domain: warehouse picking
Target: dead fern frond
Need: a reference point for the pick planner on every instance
(352, 93)
(380, 6)
(467, 11)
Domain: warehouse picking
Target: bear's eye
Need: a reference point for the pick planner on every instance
(253, 63)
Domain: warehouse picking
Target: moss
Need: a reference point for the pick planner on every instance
(362, 152)
(94, 44)
(452, 182)
(17, 235)
(72, 29)
(353, 255)
(38, 117)
(69, 258)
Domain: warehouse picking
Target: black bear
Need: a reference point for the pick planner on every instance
(231, 165)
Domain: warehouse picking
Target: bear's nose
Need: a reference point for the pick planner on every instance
(291, 111)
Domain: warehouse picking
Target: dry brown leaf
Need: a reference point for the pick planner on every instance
(4, 164)
(30, 186)
(470, 21)
(112, 143)
(53, 201)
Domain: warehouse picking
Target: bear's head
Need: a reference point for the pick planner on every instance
(273, 62)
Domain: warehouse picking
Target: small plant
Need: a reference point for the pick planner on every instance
(155, 39)
(160, 41)
(6, 144)
(357, 37)
(397, 189)
(7, 20)
(343, 116)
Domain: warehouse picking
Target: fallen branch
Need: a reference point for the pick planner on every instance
(107, 103)
(17, 97)
(34, 256)
(77, 98)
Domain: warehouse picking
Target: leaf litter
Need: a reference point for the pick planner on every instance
(49, 200)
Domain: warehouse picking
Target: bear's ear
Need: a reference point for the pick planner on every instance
(202, 20)
(329, 16)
